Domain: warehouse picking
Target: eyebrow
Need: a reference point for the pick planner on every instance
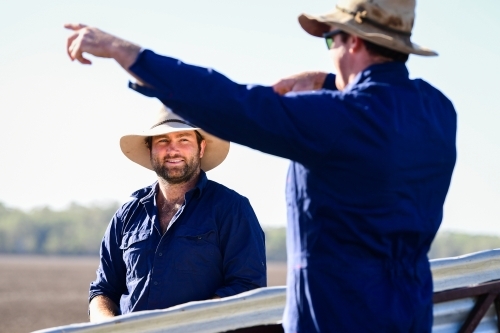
(177, 135)
(183, 134)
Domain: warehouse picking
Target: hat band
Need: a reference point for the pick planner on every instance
(360, 17)
(172, 121)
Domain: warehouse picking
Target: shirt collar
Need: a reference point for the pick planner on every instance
(390, 71)
(147, 193)
(200, 185)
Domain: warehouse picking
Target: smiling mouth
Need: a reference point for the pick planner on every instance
(174, 160)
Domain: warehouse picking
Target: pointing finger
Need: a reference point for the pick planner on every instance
(74, 26)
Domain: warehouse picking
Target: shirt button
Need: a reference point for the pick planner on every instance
(199, 237)
(160, 254)
(156, 283)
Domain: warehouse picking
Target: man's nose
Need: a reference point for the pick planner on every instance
(172, 147)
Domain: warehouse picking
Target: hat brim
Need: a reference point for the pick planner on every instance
(134, 145)
(318, 25)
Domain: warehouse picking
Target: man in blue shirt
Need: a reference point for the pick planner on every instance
(184, 238)
(372, 157)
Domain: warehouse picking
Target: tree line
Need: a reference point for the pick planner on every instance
(78, 230)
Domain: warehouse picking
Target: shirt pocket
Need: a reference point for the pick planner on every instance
(135, 246)
(198, 252)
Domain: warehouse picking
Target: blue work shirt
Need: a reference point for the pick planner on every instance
(371, 167)
(214, 246)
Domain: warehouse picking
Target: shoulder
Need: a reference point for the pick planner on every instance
(424, 85)
(434, 99)
(125, 209)
(231, 209)
(220, 191)
(130, 207)
(227, 202)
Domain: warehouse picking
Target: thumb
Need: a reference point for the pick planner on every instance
(74, 26)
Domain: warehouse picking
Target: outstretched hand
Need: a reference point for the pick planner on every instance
(300, 82)
(98, 43)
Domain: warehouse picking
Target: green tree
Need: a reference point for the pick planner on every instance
(75, 230)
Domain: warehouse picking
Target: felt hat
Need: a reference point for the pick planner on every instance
(386, 23)
(135, 148)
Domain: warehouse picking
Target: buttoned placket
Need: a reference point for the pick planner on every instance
(172, 221)
(158, 252)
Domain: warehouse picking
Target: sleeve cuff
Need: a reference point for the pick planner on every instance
(146, 91)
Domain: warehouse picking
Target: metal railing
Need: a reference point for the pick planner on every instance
(458, 282)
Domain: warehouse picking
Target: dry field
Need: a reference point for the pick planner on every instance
(41, 292)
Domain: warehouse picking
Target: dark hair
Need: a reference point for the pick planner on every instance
(149, 140)
(377, 50)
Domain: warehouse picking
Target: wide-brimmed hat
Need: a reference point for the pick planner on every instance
(135, 148)
(386, 23)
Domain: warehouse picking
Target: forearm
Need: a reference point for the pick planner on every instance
(102, 308)
(124, 52)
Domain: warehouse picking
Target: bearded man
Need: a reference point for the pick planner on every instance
(184, 238)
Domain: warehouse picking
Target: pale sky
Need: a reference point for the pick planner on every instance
(61, 121)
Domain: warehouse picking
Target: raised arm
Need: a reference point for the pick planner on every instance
(297, 126)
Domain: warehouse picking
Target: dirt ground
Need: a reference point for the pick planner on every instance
(41, 292)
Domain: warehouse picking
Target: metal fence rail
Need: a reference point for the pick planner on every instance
(467, 270)
(265, 306)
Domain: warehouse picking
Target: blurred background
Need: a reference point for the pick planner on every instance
(62, 174)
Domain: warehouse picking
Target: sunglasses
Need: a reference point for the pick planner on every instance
(329, 36)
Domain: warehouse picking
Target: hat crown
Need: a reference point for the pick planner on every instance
(165, 113)
(397, 15)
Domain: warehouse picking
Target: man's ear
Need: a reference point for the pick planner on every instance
(356, 44)
(203, 144)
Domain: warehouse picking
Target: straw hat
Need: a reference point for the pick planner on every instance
(134, 146)
(386, 23)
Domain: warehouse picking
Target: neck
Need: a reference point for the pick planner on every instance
(360, 65)
(174, 193)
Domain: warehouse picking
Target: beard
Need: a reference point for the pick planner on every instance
(176, 175)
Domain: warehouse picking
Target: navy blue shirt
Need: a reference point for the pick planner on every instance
(214, 246)
(371, 167)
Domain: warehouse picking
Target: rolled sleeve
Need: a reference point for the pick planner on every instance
(111, 273)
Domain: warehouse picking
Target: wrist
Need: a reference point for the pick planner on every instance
(124, 52)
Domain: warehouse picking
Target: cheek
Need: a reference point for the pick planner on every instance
(154, 152)
(338, 59)
(334, 56)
